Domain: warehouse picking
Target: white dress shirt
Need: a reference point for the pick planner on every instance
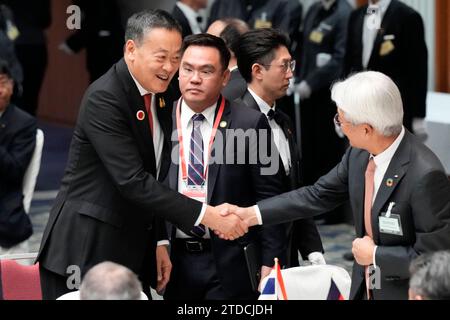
(186, 129)
(280, 139)
(158, 134)
(191, 16)
(382, 162)
(369, 34)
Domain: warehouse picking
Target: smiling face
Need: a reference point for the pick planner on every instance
(202, 77)
(155, 60)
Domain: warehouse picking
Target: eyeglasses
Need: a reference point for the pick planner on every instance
(189, 72)
(286, 65)
(338, 122)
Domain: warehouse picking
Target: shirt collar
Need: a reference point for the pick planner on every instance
(388, 154)
(141, 89)
(190, 13)
(1, 113)
(382, 4)
(187, 113)
(263, 106)
(233, 68)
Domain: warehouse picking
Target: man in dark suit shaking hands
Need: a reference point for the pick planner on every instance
(120, 149)
(397, 187)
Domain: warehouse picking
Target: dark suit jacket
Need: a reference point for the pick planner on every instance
(420, 189)
(109, 195)
(240, 184)
(100, 34)
(17, 142)
(333, 25)
(306, 236)
(182, 20)
(236, 87)
(406, 64)
(276, 11)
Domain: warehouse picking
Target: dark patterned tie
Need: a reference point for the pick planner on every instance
(196, 166)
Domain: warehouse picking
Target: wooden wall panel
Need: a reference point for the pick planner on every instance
(443, 45)
(66, 78)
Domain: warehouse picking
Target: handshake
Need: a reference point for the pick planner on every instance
(229, 222)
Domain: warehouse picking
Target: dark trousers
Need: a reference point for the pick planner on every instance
(53, 285)
(34, 63)
(194, 275)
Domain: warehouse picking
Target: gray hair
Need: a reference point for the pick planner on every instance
(372, 98)
(142, 22)
(110, 281)
(430, 275)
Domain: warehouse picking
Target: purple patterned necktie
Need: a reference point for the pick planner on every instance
(196, 166)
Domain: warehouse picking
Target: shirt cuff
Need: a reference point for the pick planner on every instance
(374, 255)
(202, 214)
(258, 214)
(163, 243)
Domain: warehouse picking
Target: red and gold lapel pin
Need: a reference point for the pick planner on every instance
(140, 115)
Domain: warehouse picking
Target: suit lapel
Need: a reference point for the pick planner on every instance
(359, 194)
(213, 169)
(4, 121)
(165, 120)
(174, 165)
(249, 101)
(395, 172)
(388, 16)
(137, 105)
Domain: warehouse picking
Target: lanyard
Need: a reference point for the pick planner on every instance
(211, 140)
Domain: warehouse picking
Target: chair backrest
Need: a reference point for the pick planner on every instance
(29, 180)
(19, 282)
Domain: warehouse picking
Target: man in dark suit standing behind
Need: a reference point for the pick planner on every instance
(388, 36)
(17, 142)
(267, 66)
(220, 266)
(230, 29)
(186, 12)
(397, 187)
(120, 149)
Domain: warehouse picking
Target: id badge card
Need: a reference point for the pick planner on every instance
(195, 192)
(390, 224)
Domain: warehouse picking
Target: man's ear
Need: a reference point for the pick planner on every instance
(256, 71)
(226, 77)
(130, 49)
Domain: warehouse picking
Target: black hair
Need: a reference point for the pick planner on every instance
(258, 46)
(208, 40)
(4, 69)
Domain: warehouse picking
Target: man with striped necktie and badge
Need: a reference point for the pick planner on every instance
(208, 165)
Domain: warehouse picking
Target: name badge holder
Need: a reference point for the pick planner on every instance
(390, 223)
(195, 192)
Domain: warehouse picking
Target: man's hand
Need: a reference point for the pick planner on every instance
(304, 90)
(219, 219)
(163, 267)
(363, 250)
(247, 216)
(264, 273)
